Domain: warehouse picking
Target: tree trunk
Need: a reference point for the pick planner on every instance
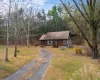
(27, 42)
(7, 40)
(94, 48)
(95, 53)
(6, 58)
(15, 41)
(15, 53)
(28, 34)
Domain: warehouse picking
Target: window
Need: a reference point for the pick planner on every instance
(49, 42)
(64, 42)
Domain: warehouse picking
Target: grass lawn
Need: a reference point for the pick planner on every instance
(65, 65)
(25, 55)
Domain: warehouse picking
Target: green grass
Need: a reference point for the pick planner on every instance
(24, 56)
(65, 63)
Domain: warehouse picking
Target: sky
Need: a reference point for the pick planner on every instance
(4, 4)
(42, 4)
(50, 3)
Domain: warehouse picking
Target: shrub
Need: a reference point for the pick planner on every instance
(88, 51)
(78, 50)
(86, 73)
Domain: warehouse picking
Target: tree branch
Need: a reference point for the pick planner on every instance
(81, 11)
(76, 24)
(88, 3)
(84, 8)
(94, 3)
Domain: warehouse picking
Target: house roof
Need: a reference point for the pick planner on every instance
(42, 37)
(56, 35)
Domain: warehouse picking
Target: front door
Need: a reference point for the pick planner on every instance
(55, 44)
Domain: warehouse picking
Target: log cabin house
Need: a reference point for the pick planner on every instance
(56, 39)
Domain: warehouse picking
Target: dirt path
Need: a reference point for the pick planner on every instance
(34, 70)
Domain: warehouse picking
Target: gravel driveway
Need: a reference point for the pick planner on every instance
(34, 70)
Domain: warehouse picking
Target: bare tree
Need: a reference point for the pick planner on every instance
(6, 57)
(29, 25)
(90, 13)
(15, 33)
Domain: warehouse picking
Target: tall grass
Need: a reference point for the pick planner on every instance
(24, 56)
(86, 73)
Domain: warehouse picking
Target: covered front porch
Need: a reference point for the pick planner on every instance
(57, 43)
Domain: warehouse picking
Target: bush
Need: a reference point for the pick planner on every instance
(62, 48)
(86, 73)
(78, 50)
(88, 51)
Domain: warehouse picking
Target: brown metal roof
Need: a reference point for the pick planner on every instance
(55, 35)
(42, 37)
